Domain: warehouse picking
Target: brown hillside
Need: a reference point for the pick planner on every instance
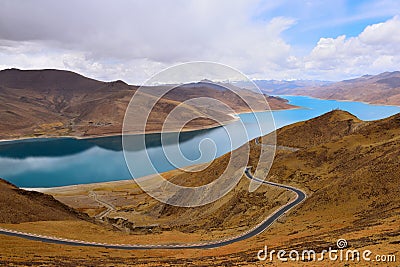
(17, 206)
(351, 178)
(345, 164)
(327, 127)
(59, 103)
(383, 88)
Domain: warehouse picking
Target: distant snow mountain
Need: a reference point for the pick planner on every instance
(275, 86)
(383, 88)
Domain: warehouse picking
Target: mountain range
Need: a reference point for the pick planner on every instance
(63, 103)
(383, 88)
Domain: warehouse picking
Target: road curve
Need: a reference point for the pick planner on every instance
(109, 207)
(201, 245)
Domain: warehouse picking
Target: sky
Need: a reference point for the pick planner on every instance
(264, 39)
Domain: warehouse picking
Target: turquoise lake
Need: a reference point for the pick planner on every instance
(51, 162)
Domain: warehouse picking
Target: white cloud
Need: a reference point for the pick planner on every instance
(386, 33)
(132, 40)
(374, 50)
(93, 37)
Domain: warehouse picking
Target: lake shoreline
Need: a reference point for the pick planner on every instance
(67, 188)
(310, 107)
(343, 100)
(189, 129)
(234, 119)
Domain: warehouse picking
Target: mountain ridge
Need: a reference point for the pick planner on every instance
(63, 103)
(383, 88)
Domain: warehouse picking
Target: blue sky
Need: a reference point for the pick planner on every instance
(133, 40)
(316, 19)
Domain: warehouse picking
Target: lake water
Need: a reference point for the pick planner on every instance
(65, 161)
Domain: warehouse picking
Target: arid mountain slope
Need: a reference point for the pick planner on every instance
(383, 88)
(55, 103)
(351, 174)
(18, 206)
(325, 128)
(347, 166)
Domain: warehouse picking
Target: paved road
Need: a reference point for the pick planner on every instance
(109, 206)
(201, 245)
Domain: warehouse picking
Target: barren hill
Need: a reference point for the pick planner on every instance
(327, 127)
(56, 103)
(18, 206)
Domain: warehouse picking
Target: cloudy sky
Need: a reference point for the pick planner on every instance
(133, 40)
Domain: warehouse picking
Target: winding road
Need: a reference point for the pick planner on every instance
(109, 206)
(201, 245)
